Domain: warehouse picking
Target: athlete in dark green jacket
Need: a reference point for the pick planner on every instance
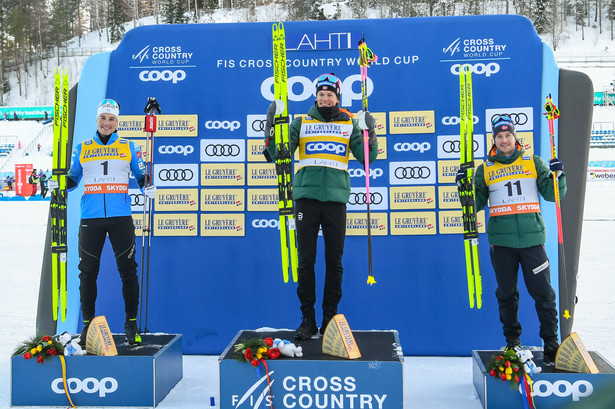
(512, 182)
(321, 188)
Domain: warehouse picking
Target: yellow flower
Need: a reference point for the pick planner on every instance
(259, 355)
(508, 377)
(39, 348)
(262, 350)
(501, 368)
(33, 351)
(509, 371)
(49, 342)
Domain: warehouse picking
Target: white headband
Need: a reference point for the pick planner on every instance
(108, 108)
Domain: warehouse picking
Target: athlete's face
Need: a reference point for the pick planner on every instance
(326, 98)
(107, 124)
(505, 143)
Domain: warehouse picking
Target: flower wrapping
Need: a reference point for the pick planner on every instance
(253, 350)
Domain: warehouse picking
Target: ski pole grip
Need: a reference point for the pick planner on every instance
(150, 123)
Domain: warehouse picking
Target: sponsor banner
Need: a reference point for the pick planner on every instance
(522, 117)
(451, 222)
(356, 224)
(177, 200)
(514, 208)
(262, 174)
(322, 41)
(358, 173)
(137, 200)
(413, 197)
(480, 68)
(381, 123)
(222, 200)
(223, 150)
(413, 223)
(378, 199)
(223, 224)
(255, 125)
(455, 121)
(448, 197)
(175, 149)
(176, 174)
(255, 150)
(42, 112)
(410, 122)
(222, 125)
(266, 224)
(410, 148)
(131, 126)
(263, 200)
(447, 169)
(175, 224)
(223, 174)
(412, 173)
(449, 146)
(600, 174)
(382, 150)
(137, 220)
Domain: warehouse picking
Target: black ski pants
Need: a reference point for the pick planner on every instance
(536, 274)
(310, 216)
(92, 236)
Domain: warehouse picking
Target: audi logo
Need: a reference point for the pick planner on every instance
(258, 125)
(167, 175)
(165, 75)
(480, 68)
(230, 125)
(374, 173)
(137, 199)
(412, 172)
(222, 150)
(182, 150)
(518, 119)
(336, 148)
(361, 198)
(412, 146)
(454, 120)
(265, 223)
(455, 146)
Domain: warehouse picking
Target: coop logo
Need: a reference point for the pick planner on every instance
(141, 55)
(374, 173)
(488, 70)
(321, 147)
(228, 125)
(164, 75)
(178, 149)
(265, 223)
(454, 120)
(562, 389)
(302, 88)
(103, 387)
(414, 146)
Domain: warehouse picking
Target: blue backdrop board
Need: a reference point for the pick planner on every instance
(215, 264)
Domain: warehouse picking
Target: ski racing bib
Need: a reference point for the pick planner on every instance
(512, 187)
(106, 168)
(324, 143)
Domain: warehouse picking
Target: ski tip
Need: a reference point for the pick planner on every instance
(567, 314)
(371, 280)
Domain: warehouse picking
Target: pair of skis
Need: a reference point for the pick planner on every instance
(467, 195)
(553, 113)
(61, 167)
(283, 158)
(150, 110)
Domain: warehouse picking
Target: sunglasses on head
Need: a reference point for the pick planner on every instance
(500, 118)
(328, 78)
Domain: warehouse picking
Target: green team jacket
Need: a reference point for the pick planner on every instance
(320, 182)
(517, 230)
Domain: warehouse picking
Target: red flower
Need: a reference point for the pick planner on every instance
(268, 341)
(52, 351)
(46, 338)
(507, 364)
(27, 355)
(273, 353)
(516, 369)
(503, 376)
(499, 358)
(254, 362)
(517, 379)
(40, 359)
(492, 373)
(248, 354)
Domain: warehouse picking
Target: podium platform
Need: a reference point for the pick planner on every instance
(138, 376)
(553, 388)
(316, 380)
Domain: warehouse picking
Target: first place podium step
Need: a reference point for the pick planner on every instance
(316, 380)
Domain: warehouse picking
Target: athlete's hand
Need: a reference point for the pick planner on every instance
(459, 177)
(275, 108)
(150, 192)
(556, 166)
(52, 184)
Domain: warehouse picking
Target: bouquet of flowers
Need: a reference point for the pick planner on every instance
(255, 349)
(507, 366)
(41, 347)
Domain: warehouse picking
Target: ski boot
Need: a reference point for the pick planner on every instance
(132, 332)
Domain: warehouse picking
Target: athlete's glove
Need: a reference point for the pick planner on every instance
(52, 184)
(150, 192)
(275, 108)
(459, 177)
(556, 167)
(367, 121)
